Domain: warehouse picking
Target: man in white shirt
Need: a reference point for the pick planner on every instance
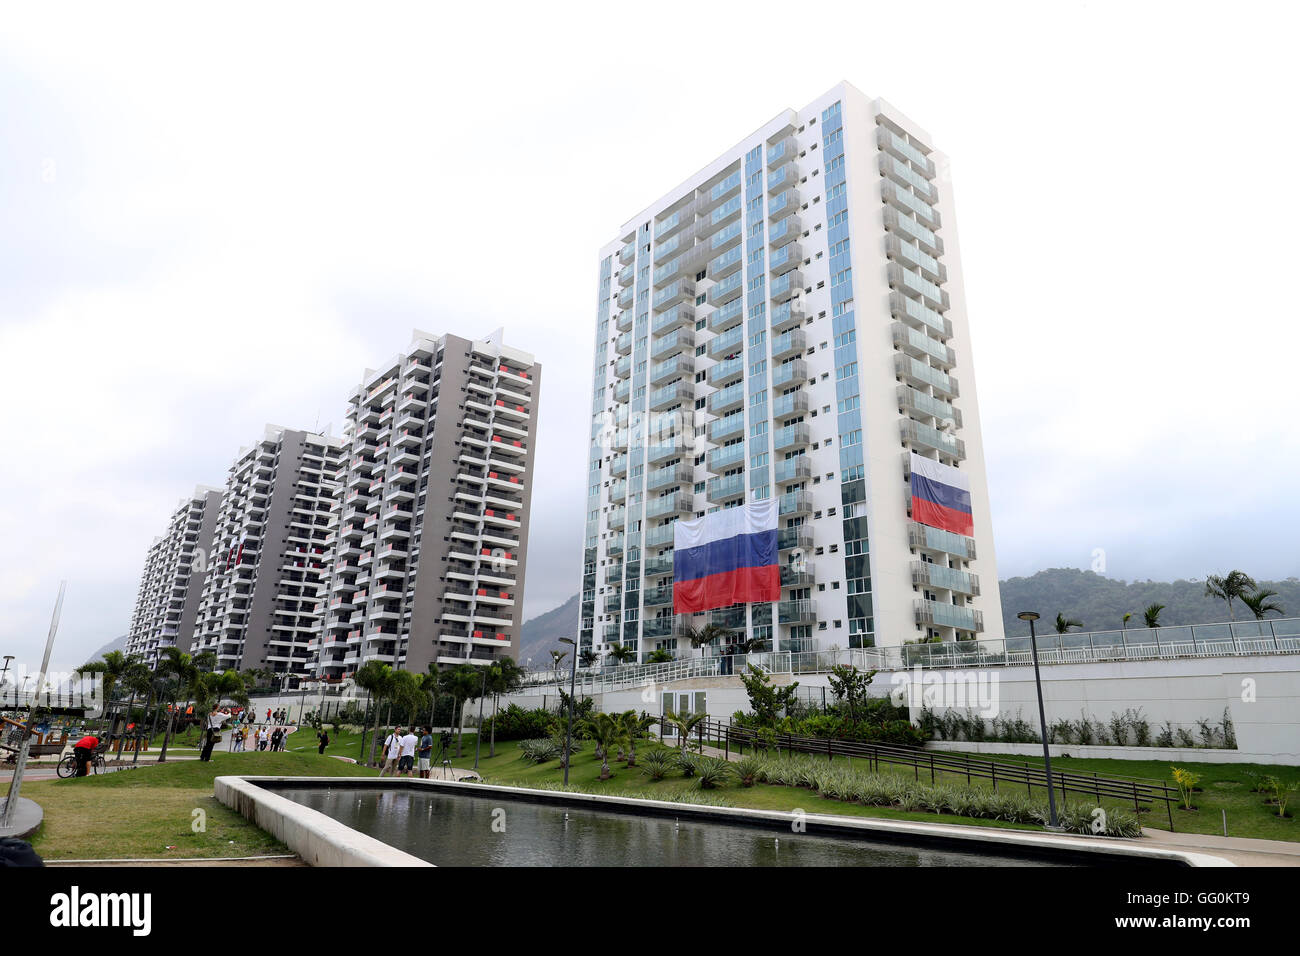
(407, 761)
(392, 753)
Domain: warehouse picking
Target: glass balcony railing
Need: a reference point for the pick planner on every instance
(786, 148)
(725, 487)
(786, 315)
(939, 614)
(929, 574)
(727, 315)
(911, 399)
(792, 371)
(726, 399)
(784, 286)
(792, 436)
(792, 469)
(784, 231)
(726, 371)
(923, 537)
(727, 428)
(728, 343)
(726, 457)
(679, 316)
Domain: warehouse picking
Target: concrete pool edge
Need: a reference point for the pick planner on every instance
(318, 839)
(908, 831)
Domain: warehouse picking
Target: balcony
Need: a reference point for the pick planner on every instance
(670, 504)
(680, 316)
(625, 299)
(626, 275)
(613, 603)
(727, 399)
(794, 371)
(784, 259)
(614, 575)
(784, 286)
(784, 176)
(783, 204)
(732, 426)
(623, 367)
(787, 316)
(930, 294)
(919, 374)
(674, 367)
(617, 518)
(919, 345)
(726, 264)
(618, 491)
(791, 578)
(793, 342)
(794, 503)
(660, 536)
(726, 372)
(792, 403)
(618, 466)
(922, 537)
(791, 437)
(680, 291)
(939, 614)
(627, 253)
(673, 475)
(728, 344)
(904, 225)
(614, 544)
(623, 320)
(676, 393)
(913, 256)
(907, 202)
(623, 344)
(622, 392)
(673, 222)
(905, 175)
(678, 340)
(782, 149)
(792, 469)
(726, 290)
(899, 146)
(727, 316)
(790, 538)
(797, 612)
(911, 400)
(787, 230)
(918, 315)
(729, 456)
(931, 575)
(924, 436)
(726, 237)
(665, 448)
(657, 597)
(725, 488)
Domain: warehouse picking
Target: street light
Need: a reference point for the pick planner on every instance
(573, 684)
(1031, 617)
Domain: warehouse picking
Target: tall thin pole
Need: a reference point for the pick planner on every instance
(478, 737)
(16, 786)
(568, 734)
(1042, 724)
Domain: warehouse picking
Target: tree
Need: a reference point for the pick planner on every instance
(1233, 586)
(622, 653)
(1260, 604)
(659, 656)
(1152, 615)
(588, 657)
(849, 685)
(1127, 615)
(464, 684)
(556, 658)
(635, 725)
(376, 678)
(1063, 623)
(766, 701)
(505, 675)
(607, 731)
(707, 635)
(683, 723)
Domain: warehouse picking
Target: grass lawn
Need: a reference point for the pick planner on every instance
(1223, 787)
(136, 814)
(510, 768)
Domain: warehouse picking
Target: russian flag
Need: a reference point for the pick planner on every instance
(941, 496)
(726, 558)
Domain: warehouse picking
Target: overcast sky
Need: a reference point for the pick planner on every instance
(208, 223)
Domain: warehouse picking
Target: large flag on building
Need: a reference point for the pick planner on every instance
(725, 558)
(941, 496)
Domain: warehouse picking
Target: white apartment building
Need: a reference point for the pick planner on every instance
(166, 604)
(790, 322)
(269, 555)
(428, 564)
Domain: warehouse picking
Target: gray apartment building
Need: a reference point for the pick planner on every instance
(427, 566)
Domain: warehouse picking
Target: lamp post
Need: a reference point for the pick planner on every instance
(478, 737)
(1031, 617)
(573, 684)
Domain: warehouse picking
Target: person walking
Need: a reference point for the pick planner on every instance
(277, 735)
(392, 753)
(211, 725)
(324, 740)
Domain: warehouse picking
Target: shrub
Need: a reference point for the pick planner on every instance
(516, 723)
(1186, 782)
(658, 763)
(713, 771)
(541, 750)
(688, 762)
(749, 770)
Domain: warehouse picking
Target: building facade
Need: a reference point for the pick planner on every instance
(428, 564)
(268, 560)
(171, 584)
(790, 322)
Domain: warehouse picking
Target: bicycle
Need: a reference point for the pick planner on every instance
(68, 765)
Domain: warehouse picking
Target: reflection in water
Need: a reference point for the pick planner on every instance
(453, 830)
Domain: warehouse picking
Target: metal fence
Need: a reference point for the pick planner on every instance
(1142, 792)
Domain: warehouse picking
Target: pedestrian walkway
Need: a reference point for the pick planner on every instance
(1244, 851)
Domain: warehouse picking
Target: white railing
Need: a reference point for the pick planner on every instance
(1228, 639)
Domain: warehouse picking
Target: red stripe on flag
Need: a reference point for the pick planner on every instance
(742, 586)
(945, 519)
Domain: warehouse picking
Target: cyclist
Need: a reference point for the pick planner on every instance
(84, 749)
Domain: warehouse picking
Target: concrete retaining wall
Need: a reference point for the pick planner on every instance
(318, 839)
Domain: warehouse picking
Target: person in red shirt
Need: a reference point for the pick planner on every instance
(84, 749)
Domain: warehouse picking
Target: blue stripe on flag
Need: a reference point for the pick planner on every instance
(940, 494)
(718, 557)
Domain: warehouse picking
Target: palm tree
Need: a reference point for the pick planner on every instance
(607, 731)
(1063, 623)
(622, 653)
(1259, 603)
(683, 723)
(376, 678)
(588, 657)
(1152, 615)
(556, 658)
(184, 669)
(504, 676)
(463, 684)
(659, 656)
(1233, 586)
(1127, 615)
(635, 725)
(706, 635)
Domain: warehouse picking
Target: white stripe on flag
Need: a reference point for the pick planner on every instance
(748, 519)
(937, 471)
